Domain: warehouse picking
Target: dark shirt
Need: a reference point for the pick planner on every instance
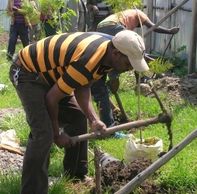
(18, 18)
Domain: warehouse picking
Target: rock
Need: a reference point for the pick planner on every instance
(10, 162)
(144, 89)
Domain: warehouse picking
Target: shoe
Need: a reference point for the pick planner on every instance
(120, 135)
(144, 79)
(9, 57)
(83, 179)
(87, 179)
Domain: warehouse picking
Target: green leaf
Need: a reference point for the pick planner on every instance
(160, 65)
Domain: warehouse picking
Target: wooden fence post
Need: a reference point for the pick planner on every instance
(150, 15)
(192, 50)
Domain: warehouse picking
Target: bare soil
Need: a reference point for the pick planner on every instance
(178, 89)
(117, 174)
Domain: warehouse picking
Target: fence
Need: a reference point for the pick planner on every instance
(4, 19)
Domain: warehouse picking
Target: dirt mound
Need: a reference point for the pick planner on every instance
(188, 88)
(116, 174)
(177, 89)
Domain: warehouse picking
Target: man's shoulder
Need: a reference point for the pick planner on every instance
(107, 36)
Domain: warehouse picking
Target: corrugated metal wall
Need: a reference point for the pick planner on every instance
(181, 18)
(4, 19)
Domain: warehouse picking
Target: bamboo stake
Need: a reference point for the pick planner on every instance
(165, 17)
(129, 187)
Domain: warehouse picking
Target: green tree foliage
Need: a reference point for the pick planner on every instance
(47, 6)
(66, 16)
(31, 14)
(50, 8)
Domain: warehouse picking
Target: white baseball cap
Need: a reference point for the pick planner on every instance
(132, 45)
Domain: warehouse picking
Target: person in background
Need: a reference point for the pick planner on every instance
(127, 19)
(78, 21)
(54, 88)
(35, 28)
(18, 27)
(82, 19)
(50, 28)
(130, 19)
(97, 10)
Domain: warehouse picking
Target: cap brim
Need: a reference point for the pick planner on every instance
(139, 65)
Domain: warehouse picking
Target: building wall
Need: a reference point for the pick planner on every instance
(4, 19)
(181, 18)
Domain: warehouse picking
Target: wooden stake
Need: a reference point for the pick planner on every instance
(11, 149)
(97, 170)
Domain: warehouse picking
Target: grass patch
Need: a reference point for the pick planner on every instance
(10, 184)
(19, 124)
(8, 97)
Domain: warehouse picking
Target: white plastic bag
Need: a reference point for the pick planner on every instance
(9, 138)
(135, 150)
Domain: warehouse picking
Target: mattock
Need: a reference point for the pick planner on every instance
(161, 118)
(164, 117)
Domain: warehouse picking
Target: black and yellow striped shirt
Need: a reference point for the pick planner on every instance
(70, 59)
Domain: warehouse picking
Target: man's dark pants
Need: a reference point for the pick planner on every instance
(16, 30)
(32, 90)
